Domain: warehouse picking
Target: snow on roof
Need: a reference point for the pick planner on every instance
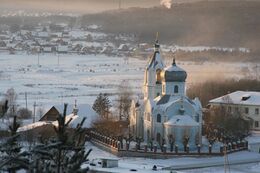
(84, 110)
(43, 34)
(181, 120)
(93, 26)
(156, 61)
(62, 48)
(32, 126)
(173, 68)
(239, 97)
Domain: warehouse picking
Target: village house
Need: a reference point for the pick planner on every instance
(241, 103)
(75, 112)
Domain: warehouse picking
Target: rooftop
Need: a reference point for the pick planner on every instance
(239, 97)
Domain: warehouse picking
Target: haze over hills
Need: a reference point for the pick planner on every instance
(85, 6)
(203, 23)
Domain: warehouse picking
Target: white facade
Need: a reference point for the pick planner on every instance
(245, 103)
(166, 112)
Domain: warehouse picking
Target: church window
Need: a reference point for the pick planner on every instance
(158, 76)
(176, 89)
(158, 138)
(163, 88)
(159, 118)
(197, 118)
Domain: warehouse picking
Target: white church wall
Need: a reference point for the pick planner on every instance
(174, 109)
(169, 88)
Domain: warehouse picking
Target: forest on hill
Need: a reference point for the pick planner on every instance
(214, 23)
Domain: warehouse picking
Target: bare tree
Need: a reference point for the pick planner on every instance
(226, 125)
(40, 112)
(11, 97)
(124, 100)
(24, 113)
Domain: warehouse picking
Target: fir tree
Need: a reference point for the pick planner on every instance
(12, 158)
(102, 105)
(4, 109)
(65, 153)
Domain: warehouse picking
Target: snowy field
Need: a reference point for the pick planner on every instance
(82, 77)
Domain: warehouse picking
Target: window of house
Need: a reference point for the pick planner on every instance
(256, 124)
(176, 89)
(246, 110)
(159, 118)
(256, 111)
(158, 94)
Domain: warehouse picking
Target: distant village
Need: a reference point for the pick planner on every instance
(62, 39)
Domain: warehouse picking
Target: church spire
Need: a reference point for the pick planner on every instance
(173, 61)
(157, 45)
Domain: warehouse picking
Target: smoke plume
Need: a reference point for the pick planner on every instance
(166, 3)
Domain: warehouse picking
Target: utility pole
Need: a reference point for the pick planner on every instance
(58, 59)
(38, 59)
(34, 111)
(25, 94)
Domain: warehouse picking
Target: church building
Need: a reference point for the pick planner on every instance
(166, 114)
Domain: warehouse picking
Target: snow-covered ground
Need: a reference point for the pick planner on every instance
(145, 165)
(83, 77)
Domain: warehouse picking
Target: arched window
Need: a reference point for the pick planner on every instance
(158, 76)
(159, 118)
(176, 89)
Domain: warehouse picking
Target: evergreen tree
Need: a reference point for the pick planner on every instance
(65, 153)
(102, 105)
(4, 109)
(12, 158)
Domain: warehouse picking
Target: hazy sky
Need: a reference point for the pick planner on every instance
(81, 6)
(78, 6)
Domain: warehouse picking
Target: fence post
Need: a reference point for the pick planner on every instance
(155, 148)
(199, 148)
(176, 148)
(210, 148)
(164, 148)
(145, 148)
(221, 149)
(118, 145)
(229, 146)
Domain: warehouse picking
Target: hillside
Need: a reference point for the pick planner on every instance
(218, 23)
